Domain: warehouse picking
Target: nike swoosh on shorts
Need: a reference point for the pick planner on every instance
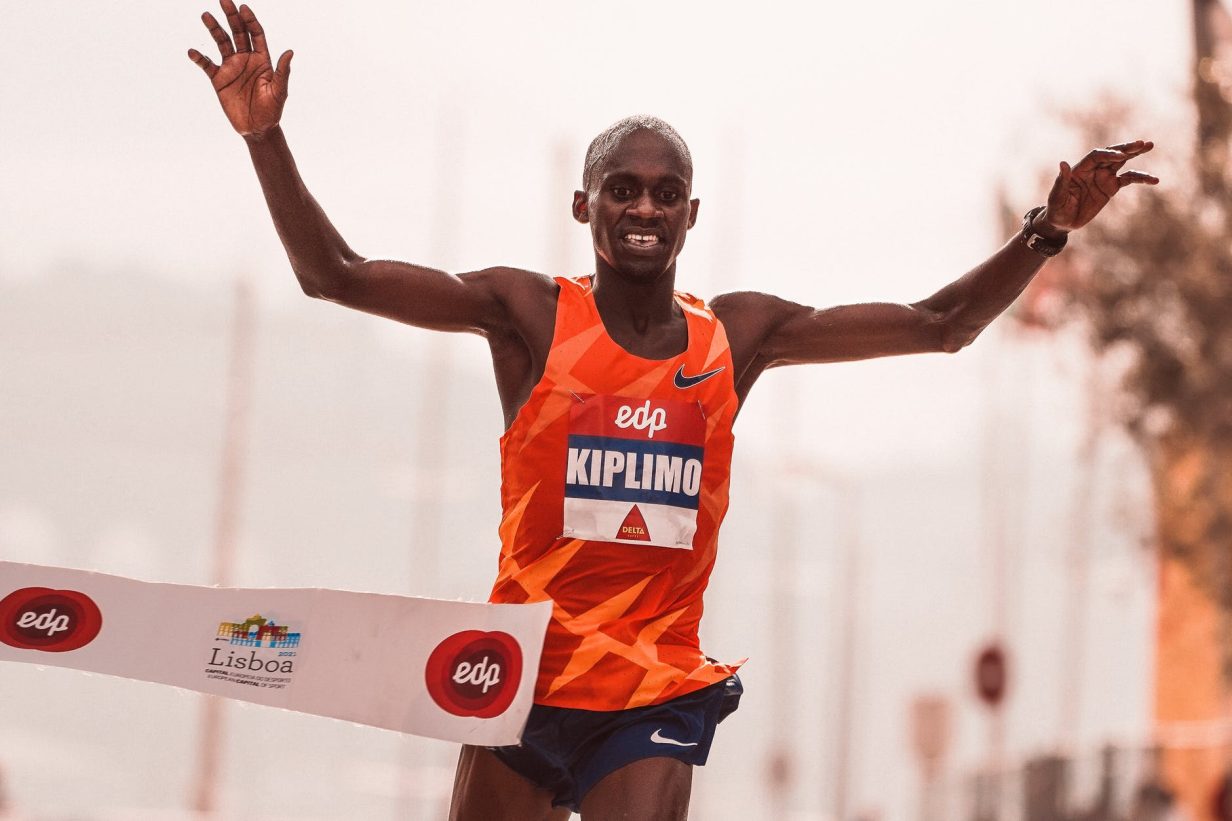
(658, 738)
(681, 381)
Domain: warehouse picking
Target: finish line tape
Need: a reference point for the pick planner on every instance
(457, 671)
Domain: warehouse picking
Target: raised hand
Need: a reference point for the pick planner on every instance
(251, 91)
(1082, 191)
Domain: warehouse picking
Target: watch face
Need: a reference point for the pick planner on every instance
(1042, 246)
(1038, 242)
(1028, 219)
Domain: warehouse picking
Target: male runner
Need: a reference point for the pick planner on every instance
(619, 394)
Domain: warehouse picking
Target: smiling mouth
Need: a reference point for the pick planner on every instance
(641, 240)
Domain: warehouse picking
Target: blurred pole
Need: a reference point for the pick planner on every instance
(724, 213)
(1078, 566)
(995, 492)
(930, 736)
(1191, 681)
(432, 421)
(226, 521)
(566, 178)
(422, 760)
(793, 472)
(780, 763)
(1212, 94)
(729, 224)
(849, 511)
(845, 617)
(1212, 89)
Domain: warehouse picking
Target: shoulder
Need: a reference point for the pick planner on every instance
(502, 279)
(749, 319)
(752, 312)
(527, 303)
(515, 288)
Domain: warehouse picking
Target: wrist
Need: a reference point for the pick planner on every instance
(1041, 225)
(254, 137)
(1046, 240)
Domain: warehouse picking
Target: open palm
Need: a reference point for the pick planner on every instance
(1081, 192)
(251, 91)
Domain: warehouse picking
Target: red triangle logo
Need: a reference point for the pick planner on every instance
(634, 527)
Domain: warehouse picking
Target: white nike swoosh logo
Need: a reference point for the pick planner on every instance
(657, 738)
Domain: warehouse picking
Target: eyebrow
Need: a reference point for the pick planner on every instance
(620, 176)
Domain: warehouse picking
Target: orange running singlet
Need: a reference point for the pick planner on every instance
(614, 482)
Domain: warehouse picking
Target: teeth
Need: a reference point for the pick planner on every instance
(642, 237)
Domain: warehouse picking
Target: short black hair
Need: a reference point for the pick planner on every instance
(603, 145)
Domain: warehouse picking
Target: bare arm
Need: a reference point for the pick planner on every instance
(766, 331)
(252, 93)
(327, 268)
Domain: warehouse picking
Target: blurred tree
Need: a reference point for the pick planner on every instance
(1152, 283)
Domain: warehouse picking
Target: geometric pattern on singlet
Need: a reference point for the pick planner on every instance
(626, 606)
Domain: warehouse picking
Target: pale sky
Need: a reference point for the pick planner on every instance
(843, 152)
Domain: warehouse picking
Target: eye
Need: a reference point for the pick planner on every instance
(669, 196)
(621, 192)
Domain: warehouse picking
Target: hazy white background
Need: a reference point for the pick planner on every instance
(843, 152)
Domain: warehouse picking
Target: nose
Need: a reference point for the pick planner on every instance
(644, 206)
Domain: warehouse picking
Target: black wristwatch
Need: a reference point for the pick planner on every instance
(1038, 242)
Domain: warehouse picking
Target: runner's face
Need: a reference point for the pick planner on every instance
(639, 209)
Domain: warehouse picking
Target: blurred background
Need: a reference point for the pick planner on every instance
(986, 586)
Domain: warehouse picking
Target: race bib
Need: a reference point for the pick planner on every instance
(633, 472)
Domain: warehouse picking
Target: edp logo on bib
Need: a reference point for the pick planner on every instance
(53, 621)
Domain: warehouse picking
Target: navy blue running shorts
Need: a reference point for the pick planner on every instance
(567, 751)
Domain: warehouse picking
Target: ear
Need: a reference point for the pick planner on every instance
(693, 204)
(580, 209)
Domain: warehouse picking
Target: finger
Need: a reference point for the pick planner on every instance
(1131, 177)
(238, 32)
(1058, 188)
(1134, 148)
(254, 29)
(220, 36)
(1102, 158)
(200, 59)
(282, 74)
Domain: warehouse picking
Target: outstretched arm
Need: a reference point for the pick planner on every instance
(252, 93)
(766, 331)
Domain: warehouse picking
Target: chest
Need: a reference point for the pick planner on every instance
(651, 341)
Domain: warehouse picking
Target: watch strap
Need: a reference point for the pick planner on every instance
(1038, 242)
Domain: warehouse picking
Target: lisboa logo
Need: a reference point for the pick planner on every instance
(474, 673)
(54, 621)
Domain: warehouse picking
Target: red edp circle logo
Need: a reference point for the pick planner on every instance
(473, 673)
(54, 621)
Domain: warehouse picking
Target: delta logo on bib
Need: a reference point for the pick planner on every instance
(633, 473)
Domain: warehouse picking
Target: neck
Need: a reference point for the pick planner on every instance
(641, 317)
(638, 303)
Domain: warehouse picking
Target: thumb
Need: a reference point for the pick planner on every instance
(282, 74)
(1058, 187)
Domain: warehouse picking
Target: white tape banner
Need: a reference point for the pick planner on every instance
(457, 671)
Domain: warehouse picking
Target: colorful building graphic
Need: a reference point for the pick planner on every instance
(257, 632)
